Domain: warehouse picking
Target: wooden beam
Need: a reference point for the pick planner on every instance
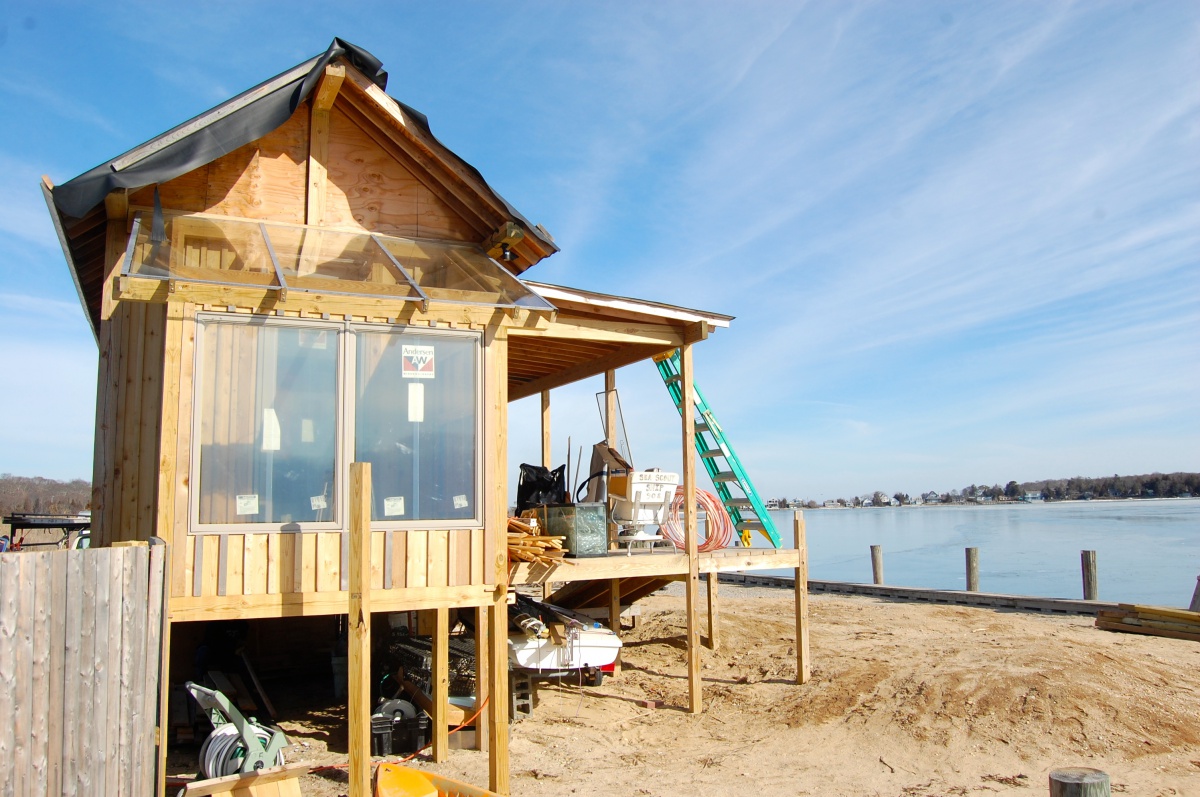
(318, 141)
(696, 332)
(668, 337)
(359, 622)
(312, 604)
(692, 589)
(547, 451)
(803, 658)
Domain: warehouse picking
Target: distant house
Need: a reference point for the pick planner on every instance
(931, 497)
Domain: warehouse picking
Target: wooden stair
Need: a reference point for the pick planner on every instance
(595, 594)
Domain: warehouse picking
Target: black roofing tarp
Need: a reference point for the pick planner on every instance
(227, 132)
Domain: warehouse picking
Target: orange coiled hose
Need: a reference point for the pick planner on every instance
(718, 527)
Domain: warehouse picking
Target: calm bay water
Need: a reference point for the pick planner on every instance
(1147, 551)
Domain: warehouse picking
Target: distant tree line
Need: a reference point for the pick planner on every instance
(1151, 485)
(35, 494)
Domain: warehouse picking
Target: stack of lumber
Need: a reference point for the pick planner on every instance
(526, 545)
(1153, 620)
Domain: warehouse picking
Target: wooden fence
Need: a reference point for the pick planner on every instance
(80, 656)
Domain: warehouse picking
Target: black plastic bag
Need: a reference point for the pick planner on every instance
(539, 486)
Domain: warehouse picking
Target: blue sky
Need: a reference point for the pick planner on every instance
(962, 240)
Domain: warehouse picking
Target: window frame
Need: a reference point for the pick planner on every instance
(346, 334)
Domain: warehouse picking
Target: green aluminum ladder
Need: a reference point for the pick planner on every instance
(748, 512)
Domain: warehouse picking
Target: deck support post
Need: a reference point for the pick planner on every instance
(714, 640)
(547, 453)
(610, 436)
(614, 616)
(359, 622)
(483, 684)
(972, 570)
(692, 585)
(441, 683)
(803, 658)
(498, 709)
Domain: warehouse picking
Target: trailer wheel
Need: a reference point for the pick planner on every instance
(597, 677)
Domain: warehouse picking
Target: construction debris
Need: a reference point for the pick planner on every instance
(1152, 620)
(526, 545)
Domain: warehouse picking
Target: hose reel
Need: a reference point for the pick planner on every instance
(238, 744)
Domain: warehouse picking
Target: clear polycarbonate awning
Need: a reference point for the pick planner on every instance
(283, 257)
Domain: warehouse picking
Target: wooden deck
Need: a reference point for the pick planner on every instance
(662, 562)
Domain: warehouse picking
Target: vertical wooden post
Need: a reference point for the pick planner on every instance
(1195, 604)
(498, 713)
(1079, 782)
(1091, 586)
(614, 616)
(610, 436)
(714, 639)
(972, 570)
(803, 658)
(877, 564)
(441, 684)
(359, 621)
(692, 590)
(547, 453)
(483, 680)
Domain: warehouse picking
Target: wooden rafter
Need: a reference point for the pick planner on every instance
(318, 140)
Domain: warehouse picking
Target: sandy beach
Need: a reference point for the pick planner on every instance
(906, 700)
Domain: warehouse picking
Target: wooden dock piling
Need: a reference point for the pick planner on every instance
(1091, 586)
(1079, 782)
(972, 570)
(877, 564)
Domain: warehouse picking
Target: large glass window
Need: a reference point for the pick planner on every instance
(267, 419)
(416, 421)
(273, 443)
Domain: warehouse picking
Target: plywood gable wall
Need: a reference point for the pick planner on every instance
(366, 187)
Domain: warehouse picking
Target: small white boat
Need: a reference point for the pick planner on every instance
(568, 642)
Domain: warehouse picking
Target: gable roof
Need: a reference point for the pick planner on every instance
(238, 121)
(77, 206)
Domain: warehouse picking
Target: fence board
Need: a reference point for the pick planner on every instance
(39, 729)
(58, 635)
(80, 663)
(154, 667)
(10, 580)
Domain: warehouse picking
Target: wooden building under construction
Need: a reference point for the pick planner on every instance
(302, 278)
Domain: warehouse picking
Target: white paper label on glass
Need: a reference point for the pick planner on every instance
(416, 402)
(271, 433)
(393, 506)
(460, 502)
(247, 504)
(307, 434)
(417, 362)
(318, 502)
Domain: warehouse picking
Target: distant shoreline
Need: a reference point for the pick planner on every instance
(989, 504)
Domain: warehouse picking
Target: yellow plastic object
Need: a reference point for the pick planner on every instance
(393, 780)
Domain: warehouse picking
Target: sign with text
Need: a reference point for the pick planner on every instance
(417, 362)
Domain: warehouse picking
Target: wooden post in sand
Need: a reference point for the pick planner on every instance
(1091, 587)
(803, 659)
(1079, 782)
(714, 640)
(1195, 605)
(687, 404)
(972, 570)
(877, 564)
(359, 620)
